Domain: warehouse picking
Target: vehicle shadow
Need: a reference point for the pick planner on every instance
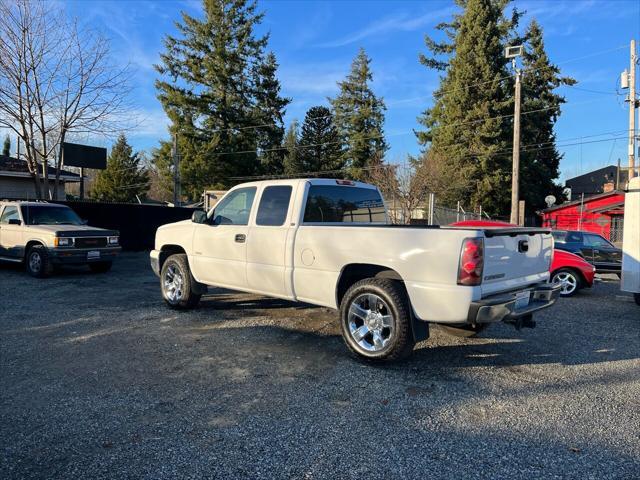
(222, 299)
(554, 340)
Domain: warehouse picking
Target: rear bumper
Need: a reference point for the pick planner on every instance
(502, 307)
(79, 256)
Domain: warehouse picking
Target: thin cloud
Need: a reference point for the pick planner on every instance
(403, 22)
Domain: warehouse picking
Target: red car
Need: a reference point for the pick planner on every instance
(572, 271)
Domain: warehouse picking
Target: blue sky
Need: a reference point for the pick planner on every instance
(315, 42)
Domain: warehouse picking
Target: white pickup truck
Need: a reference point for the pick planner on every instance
(329, 243)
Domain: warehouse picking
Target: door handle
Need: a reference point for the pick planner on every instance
(241, 237)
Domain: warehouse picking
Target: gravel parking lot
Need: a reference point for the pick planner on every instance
(100, 380)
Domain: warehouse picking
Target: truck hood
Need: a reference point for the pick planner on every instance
(73, 230)
(174, 224)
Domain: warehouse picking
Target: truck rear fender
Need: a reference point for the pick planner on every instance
(355, 272)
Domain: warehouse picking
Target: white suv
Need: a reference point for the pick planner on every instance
(43, 235)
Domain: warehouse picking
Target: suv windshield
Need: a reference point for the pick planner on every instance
(49, 215)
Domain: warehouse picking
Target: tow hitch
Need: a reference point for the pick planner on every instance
(525, 321)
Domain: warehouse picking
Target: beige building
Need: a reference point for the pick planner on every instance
(16, 181)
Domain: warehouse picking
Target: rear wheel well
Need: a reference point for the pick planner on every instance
(359, 271)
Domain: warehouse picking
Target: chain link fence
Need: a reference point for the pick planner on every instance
(426, 211)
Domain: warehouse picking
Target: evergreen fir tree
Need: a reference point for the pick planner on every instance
(539, 157)
(292, 158)
(212, 86)
(463, 138)
(269, 110)
(6, 147)
(359, 117)
(319, 146)
(124, 178)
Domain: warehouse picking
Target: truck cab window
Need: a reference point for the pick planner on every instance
(574, 237)
(274, 205)
(234, 209)
(596, 241)
(338, 204)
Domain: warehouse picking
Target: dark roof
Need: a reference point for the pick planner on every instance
(593, 182)
(16, 165)
(586, 199)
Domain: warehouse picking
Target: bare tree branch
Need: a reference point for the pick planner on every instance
(56, 80)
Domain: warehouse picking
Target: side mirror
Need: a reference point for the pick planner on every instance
(199, 216)
(15, 221)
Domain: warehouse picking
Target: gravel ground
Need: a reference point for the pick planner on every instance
(100, 380)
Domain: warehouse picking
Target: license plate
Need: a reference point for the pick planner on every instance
(522, 300)
(93, 255)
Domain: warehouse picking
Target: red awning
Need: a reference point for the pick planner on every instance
(611, 209)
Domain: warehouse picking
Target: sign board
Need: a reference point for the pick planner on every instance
(84, 156)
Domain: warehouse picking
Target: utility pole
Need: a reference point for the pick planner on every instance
(632, 109)
(515, 173)
(176, 171)
(81, 183)
(513, 53)
(628, 80)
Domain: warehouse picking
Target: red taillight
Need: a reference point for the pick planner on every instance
(471, 262)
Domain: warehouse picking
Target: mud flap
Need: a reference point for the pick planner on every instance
(419, 329)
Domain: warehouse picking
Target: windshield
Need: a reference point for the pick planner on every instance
(48, 215)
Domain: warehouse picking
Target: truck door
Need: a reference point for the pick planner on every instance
(220, 246)
(267, 241)
(605, 255)
(580, 246)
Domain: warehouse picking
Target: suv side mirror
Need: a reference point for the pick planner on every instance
(15, 221)
(199, 216)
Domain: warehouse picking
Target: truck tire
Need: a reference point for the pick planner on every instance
(375, 320)
(177, 283)
(636, 297)
(100, 267)
(38, 262)
(465, 331)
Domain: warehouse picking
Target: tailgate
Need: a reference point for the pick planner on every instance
(515, 257)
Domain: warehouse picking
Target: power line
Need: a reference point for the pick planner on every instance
(371, 137)
(442, 92)
(601, 92)
(526, 148)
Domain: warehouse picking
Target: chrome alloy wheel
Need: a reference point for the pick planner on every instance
(568, 282)
(370, 322)
(173, 284)
(35, 261)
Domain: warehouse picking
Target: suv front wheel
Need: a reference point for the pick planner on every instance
(177, 283)
(38, 262)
